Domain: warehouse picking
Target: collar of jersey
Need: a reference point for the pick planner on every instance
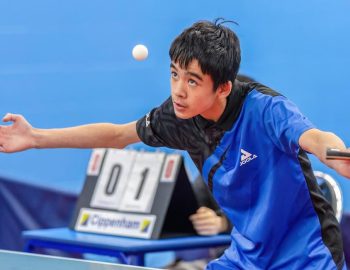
(233, 108)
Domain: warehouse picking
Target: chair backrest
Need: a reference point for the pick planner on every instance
(331, 191)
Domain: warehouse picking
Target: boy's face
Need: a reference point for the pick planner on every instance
(193, 94)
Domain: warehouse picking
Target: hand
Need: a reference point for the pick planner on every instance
(206, 222)
(17, 137)
(340, 165)
(316, 141)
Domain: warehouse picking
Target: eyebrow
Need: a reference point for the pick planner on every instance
(188, 72)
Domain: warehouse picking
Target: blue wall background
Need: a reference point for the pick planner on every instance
(65, 63)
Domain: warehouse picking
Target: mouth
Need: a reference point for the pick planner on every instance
(179, 106)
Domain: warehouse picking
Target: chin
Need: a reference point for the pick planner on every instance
(182, 115)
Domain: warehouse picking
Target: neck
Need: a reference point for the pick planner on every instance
(217, 110)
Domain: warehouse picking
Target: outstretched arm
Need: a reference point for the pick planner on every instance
(316, 142)
(21, 135)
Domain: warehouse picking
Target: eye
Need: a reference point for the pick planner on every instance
(174, 75)
(192, 82)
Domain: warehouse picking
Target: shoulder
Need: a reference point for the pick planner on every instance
(267, 98)
(263, 89)
(259, 97)
(161, 127)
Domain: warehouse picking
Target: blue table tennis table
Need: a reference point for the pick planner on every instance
(10, 260)
(128, 250)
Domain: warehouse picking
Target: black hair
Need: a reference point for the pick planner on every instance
(214, 46)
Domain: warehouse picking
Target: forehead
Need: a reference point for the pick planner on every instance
(193, 68)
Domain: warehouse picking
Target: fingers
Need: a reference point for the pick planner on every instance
(203, 209)
(202, 217)
(203, 213)
(7, 117)
(341, 166)
(10, 117)
(205, 221)
(206, 229)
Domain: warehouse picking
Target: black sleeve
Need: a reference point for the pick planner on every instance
(203, 195)
(205, 198)
(161, 127)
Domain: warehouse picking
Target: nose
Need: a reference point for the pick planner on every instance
(179, 89)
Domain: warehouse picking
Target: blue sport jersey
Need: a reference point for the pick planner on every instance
(261, 178)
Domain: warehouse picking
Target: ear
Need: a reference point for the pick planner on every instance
(224, 89)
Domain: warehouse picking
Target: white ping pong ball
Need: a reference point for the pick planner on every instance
(140, 52)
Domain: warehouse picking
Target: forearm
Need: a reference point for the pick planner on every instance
(102, 135)
(316, 142)
(226, 226)
(223, 224)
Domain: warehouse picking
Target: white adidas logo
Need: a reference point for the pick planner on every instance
(246, 157)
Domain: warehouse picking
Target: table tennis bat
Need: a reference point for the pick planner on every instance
(333, 153)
